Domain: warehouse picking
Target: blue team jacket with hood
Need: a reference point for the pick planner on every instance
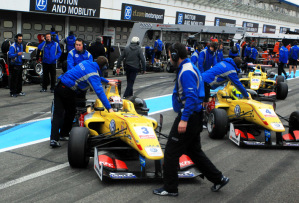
(74, 58)
(83, 76)
(51, 51)
(14, 49)
(207, 59)
(188, 93)
(221, 73)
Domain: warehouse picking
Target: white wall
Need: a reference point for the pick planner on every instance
(16, 5)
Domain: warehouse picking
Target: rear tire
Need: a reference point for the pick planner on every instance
(282, 90)
(217, 124)
(77, 147)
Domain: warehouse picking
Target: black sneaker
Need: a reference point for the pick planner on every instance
(43, 90)
(22, 94)
(52, 91)
(161, 191)
(13, 95)
(54, 144)
(217, 187)
(64, 138)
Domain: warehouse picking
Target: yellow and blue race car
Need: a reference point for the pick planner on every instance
(112, 138)
(258, 80)
(249, 122)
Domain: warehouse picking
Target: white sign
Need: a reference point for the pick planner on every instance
(154, 151)
(268, 112)
(110, 31)
(145, 132)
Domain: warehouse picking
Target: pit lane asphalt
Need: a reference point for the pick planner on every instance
(256, 175)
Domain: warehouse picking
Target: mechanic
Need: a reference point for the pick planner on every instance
(219, 53)
(238, 46)
(283, 59)
(133, 56)
(194, 57)
(77, 55)
(251, 53)
(226, 70)
(54, 35)
(207, 57)
(15, 55)
(293, 57)
(158, 47)
(80, 77)
(51, 53)
(184, 137)
(97, 48)
(70, 41)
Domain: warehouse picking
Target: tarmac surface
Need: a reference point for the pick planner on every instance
(38, 173)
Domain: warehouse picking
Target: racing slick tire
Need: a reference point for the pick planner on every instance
(77, 147)
(279, 79)
(282, 90)
(294, 121)
(217, 124)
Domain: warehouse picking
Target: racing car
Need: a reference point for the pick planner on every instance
(258, 80)
(113, 137)
(246, 120)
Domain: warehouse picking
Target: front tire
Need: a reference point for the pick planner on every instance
(78, 147)
(279, 79)
(282, 90)
(217, 124)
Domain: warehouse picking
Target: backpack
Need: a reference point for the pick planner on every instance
(235, 50)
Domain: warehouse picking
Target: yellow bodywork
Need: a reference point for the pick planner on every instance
(30, 49)
(140, 130)
(256, 82)
(250, 110)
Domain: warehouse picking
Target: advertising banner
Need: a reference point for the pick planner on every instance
(142, 14)
(224, 22)
(284, 29)
(84, 8)
(269, 29)
(189, 19)
(251, 27)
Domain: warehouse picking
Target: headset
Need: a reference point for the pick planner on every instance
(174, 53)
(16, 37)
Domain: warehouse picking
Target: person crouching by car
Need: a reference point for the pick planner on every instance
(81, 77)
(15, 56)
(51, 53)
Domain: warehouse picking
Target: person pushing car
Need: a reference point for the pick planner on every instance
(222, 72)
(82, 76)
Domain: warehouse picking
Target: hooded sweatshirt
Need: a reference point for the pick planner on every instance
(132, 56)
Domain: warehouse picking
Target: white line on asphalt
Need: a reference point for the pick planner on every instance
(160, 111)
(24, 145)
(4, 126)
(32, 176)
(157, 97)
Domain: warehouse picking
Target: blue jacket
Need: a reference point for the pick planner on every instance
(84, 75)
(221, 73)
(159, 45)
(231, 54)
(70, 42)
(251, 52)
(283, 54)
(195, 57)
(206, 60)
(56, 38)
(51, 51)
(294, 52)
(74, 58)
(239, 48)
(14, 49)
(219, 55)
(188, 92)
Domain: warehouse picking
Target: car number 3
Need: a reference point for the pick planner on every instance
(144, 130)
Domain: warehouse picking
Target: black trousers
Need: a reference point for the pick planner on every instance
(16, 79)
(49, 69)
(187, 143)
(281, 69)
(64, 111)
(207, 92)
(131, 74)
